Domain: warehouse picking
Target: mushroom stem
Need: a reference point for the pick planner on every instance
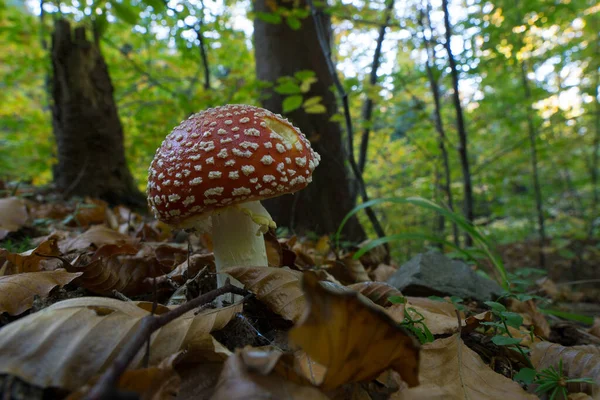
(238, 240)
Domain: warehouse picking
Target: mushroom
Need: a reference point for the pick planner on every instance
(212, 170)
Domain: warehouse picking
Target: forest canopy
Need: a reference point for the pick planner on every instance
(527, 75)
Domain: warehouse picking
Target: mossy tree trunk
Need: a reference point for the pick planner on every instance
(89, 135)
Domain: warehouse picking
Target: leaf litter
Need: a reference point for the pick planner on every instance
(323, 324)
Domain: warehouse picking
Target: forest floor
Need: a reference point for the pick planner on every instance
(83, 286)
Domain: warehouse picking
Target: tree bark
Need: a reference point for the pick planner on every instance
(460, 124)
(437, 117)
(89, 136)
(281, 51)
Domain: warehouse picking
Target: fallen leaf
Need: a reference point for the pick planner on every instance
(126, 274)
(354, 339)
(71, 341)
(278, 288)
(595, 329)
(533, 315)
(13, 215)
(160, 382)
(248, 374)
(97, 236)
(347, 270)
(451, 370)
(30, 261)
(378, 292)
(93, 211)
(383, 272)
(17, 292)
(579, 362)
(440, 317)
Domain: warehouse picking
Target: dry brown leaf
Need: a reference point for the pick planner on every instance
(97, 236)
(160, 382)
(274, 250)
(348, 270)
(378, 292)
(278, 288)
(125, 273)
(383, 272)
(373, 257)
(13, 215)
(30, 261)
(93, 211)
(451, 370)
(354, 339)
(71, 341)
(248, 374)
(595, 329)
(580, 362)
(440, 317)
(533, 316)
(17, 292)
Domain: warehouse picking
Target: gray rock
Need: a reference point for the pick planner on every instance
(432, 273)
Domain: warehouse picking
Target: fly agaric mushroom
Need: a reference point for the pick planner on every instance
(212, 170)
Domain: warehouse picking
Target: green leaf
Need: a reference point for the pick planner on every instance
(304, 74)
(270, 18)
(397, 299)
(293, 22)
(305, 86)
(512, 319)
(125, 12)
(437, 298)
(316, 109)
(505, 340)
(287, 87)
(525, 375)
(157, 5)
(292, 103)
(312, 101)
(497, 307)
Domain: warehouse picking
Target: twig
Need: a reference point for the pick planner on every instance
(106, 385)
(350, 137)
(120, 295)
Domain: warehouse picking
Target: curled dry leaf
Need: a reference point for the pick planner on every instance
(451, 370)
(578, 362)
(68, 343)
(13, 215)
(595, 329)
(378, 292)
(17, 292)
(249, 374)
(93, 211)
(97, 236)
(278, 288)
(347, 270)
(532, 316)
(125, 273)
(440, 317)
(160, 382)
(354, 339)
(30, 261)
(383, 272)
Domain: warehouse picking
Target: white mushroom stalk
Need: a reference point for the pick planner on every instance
(215, 167)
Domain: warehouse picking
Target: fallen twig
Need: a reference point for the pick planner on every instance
(105, 387)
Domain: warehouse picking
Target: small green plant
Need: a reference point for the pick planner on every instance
(551, 381)
(504, 319)
(455, 300)
(17, 246)
(413, 321)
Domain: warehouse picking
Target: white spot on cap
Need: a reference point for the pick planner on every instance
(301, 161)
(198, 167)
(239, 153)
(210, 201)
(234, 174)
(177, 183)
(311, 165)
(221, 131)
(216, 191)
(186, 172)
(288, 160)
(241, 191)
(196, 181)
(246, 145)
(223, 153)
(226, 140)
(280, 148)
(244, 120)
(253, 180)
(195, 135)
(189, 200)
(210, 160)
(161, 176)
(214, 175)
(228, 122)
(267, 160)
(268, 145)
(174, 213)
(167, 182)
(265, 192)
(178, 175)
(195, 157)
(229, 163)
(247, 169)
(280, 168)
(291, 172)
(298, 146)
(268, 178)
(157, 200)
(251, 132)
(235, 129)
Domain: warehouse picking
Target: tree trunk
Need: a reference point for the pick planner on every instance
(89, 136)
(460, 124)
(281, 51)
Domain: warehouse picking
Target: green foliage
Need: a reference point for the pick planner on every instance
(551, 381)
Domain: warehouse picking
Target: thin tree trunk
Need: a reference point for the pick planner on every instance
(437, 116)
(282, 51)
(460, 124)
(89, 136)
(368, 106)
(595, 156)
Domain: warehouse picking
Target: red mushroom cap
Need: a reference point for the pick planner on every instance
(224, 156)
